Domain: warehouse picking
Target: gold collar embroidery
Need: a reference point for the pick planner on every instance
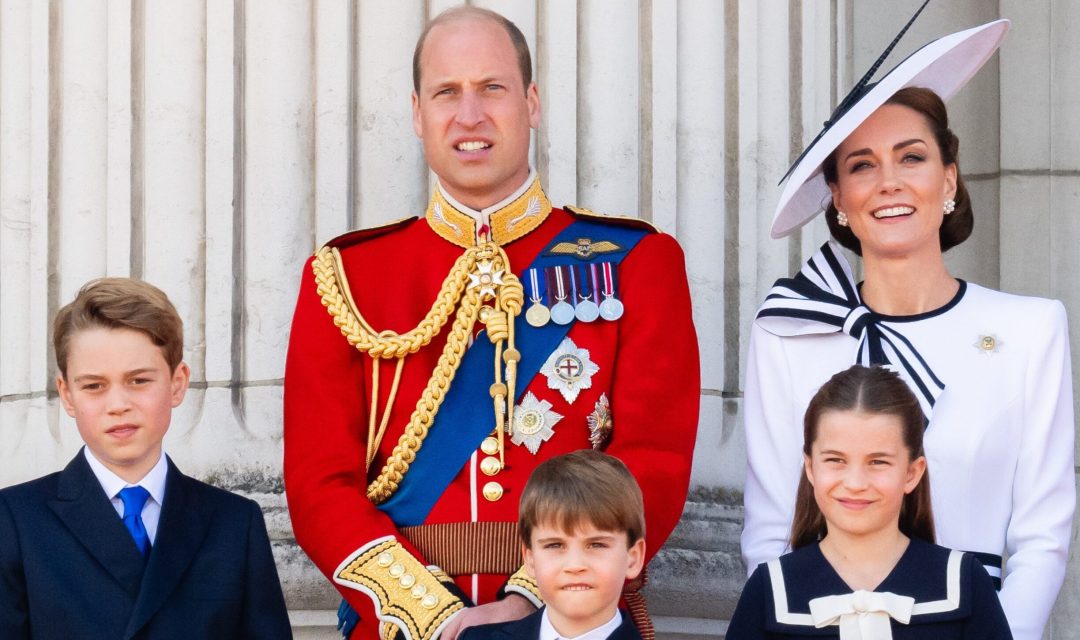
(509, 223)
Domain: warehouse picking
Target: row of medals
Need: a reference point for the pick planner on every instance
(538, 315)
(563, 313)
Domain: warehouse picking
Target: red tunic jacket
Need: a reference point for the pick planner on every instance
(648, 369)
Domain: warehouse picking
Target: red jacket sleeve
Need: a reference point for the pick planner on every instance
(656, 385)
(325, 442)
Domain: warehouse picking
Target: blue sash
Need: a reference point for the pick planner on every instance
(466, 415)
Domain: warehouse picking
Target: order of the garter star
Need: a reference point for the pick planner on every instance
(569, 370)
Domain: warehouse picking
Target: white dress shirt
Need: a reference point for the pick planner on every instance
(153, 482)
(548, 632)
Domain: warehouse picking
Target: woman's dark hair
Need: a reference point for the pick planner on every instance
(874, 390)
(956, 226)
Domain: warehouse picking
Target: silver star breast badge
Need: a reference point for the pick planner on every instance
(533, 422)
(569, 370)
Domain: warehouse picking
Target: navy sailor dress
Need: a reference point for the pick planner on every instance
(942, 594)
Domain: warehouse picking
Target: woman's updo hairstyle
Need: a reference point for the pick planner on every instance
(956, 226)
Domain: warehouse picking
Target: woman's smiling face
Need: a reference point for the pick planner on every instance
(892, 184)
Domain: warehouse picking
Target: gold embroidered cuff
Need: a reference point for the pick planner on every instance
(387, 631)
(523, 584)
(406, 593)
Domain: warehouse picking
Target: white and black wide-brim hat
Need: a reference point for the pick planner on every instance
(944, 66)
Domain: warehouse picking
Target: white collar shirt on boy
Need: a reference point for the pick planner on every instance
(153, 482)
(548, 632)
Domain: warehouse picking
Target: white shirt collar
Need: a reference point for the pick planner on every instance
(483, 216)
(548, 632)
(153, 481)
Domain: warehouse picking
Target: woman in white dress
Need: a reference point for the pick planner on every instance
(991, 370)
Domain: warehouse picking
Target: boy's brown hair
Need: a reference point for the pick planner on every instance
(582, 486)
(120, 303)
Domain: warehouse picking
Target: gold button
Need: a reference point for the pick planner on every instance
(407, 580)
(490, 445)
(419, 591)
(385, 559)
(397, 570)
(430, 601)
(490, 466)
(493, 491)
(988, 343)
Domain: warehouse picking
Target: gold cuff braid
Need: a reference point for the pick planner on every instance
(407, 594)
(525, 585)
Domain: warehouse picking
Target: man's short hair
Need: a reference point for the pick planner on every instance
(469, 13)
(584, 486)
(120, 303)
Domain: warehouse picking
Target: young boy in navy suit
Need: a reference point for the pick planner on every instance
(582, 528)
(120, 544)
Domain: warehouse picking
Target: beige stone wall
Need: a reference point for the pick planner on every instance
(210, 146)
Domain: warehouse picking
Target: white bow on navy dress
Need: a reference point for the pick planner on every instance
(862, 615)
(823, 298)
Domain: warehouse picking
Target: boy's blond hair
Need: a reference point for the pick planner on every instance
(120, 303)
(584, 486)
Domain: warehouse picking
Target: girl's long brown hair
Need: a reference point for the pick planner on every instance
(878, 391)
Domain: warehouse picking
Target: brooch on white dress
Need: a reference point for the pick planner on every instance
(988, 344)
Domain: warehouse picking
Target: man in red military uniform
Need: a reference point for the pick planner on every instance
(434, 362)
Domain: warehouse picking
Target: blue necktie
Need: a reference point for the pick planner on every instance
(134, 498)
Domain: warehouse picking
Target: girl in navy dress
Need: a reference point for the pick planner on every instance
(864, 565)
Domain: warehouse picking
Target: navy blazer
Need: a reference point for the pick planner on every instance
(69, 568)
(528, 628)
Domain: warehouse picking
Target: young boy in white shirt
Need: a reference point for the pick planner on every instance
(582, 528)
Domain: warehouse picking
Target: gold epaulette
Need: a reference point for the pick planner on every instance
(628, 221)
(349, 238)
(407, 594)
(525, 585)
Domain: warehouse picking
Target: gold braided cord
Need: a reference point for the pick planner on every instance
(509, 297)
(375, 437)
(512, 301)
(500, 329)
(373, 415)
(334, 292)
(397, 465)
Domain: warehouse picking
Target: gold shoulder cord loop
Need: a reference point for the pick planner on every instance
(481, 273)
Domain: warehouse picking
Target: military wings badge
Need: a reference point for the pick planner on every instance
(584, 248)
